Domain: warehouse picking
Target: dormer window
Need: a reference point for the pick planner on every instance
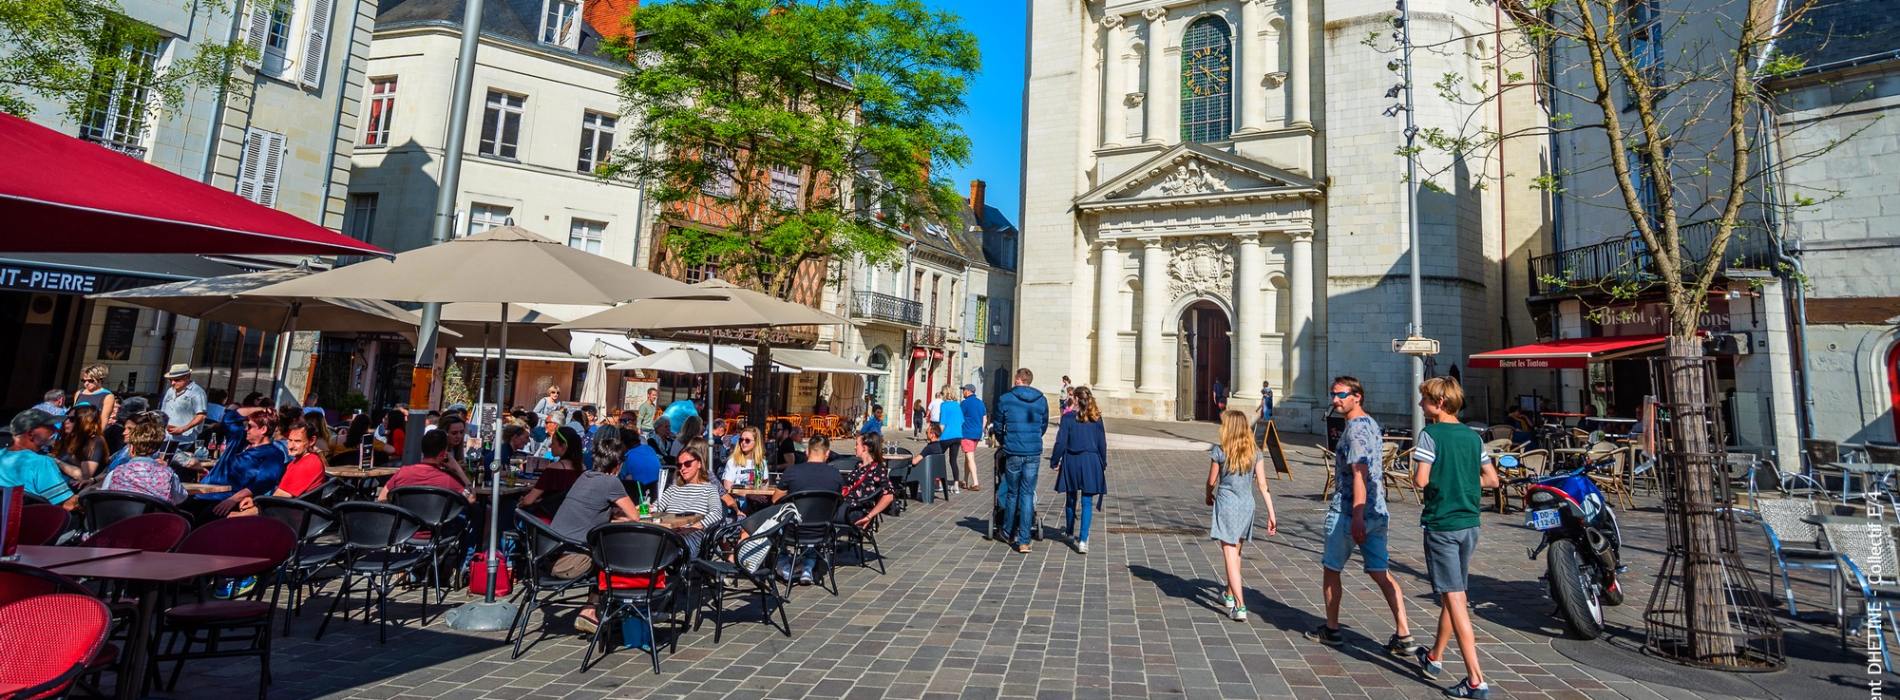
(561, 23)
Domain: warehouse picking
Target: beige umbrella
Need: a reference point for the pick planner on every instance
(506, 265)
(227, 299)
(684, 360)
(475, 321)
(594, 388)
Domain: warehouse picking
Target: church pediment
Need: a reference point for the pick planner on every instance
(1192, 173)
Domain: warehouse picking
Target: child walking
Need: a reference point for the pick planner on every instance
(1235, 462)
(1451, 466)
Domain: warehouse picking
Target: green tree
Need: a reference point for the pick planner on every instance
(82, 53)
(854, 96)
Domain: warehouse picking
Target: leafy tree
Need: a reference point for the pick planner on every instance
(1683, 131)
(77, 54)
(854, 97)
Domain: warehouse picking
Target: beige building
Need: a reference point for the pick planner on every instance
(1213, 202)
(275, 138)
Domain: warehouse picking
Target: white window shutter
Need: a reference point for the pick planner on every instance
(257, 30)
(274, 151)
(251, 164)
(316, 41)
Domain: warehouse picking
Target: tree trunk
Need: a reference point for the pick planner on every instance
(1707, 602)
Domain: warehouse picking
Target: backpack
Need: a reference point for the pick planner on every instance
(755, 547)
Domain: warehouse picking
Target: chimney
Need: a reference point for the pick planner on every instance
(609, 17)
(976, 198)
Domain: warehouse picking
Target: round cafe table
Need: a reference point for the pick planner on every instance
(359, 482)
(195, 489)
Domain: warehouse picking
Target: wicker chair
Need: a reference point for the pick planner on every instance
(1795, 544)
(1615, 479)
(1861, 553)
(1328, 462)
(1397, 466)
(1498, 432)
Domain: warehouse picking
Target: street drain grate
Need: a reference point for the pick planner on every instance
(1186, 531)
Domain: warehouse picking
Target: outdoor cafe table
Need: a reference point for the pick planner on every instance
(770, 492)
(361, 482)
(47, 557)
(1865, 471)
(147, 572)
(193, 488)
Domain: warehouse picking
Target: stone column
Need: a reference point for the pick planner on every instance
(1157, 364)
(1114, 86)
(1108, 317)
(1300, 317)
(1155, 99)
(1250, 312)
(1252, 68)
(1299, 75)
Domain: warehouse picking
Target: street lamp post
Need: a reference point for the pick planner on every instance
(1416, 329)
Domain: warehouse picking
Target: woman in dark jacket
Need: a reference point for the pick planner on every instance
(1080, 458)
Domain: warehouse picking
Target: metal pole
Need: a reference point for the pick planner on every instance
(1411, 216)
(481, 390)
(424, 374)
(491, 613)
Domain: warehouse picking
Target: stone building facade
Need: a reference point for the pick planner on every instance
(1212, 200)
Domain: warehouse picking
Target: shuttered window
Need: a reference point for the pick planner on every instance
(262, 163)
(316, 39)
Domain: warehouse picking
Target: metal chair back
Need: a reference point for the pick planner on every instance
(102, 508)
(308, 520)
(543, 542)
(1883, 454)
(151, 532)
(1868, 545)
(41, 524)
(1820, 453)
(633, 549)
(434, 505)
(375, 526)
(1784, 517)
(19, 582)
(263, 538)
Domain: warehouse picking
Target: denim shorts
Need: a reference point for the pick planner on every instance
(1339, 543)
(1448, 558)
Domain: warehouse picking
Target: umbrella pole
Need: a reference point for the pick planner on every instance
(481, 390)
(491, 614)
(711, 398)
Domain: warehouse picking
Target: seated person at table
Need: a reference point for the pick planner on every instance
(784, 443)
(696, 494)
(23, 465)
(1521, 428)
(868, 490)
(514, 441)
(558, 475)
(641, 466)
(597, 497)
(934, 445)
(746, 461)
(251, 464)
(683, 438)
(434, 470)
(457, 429)
(144, 436)
(814, 474)
(661, 440)
(305, 472)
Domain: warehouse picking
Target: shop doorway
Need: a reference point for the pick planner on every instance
(1204, 376)
(42, 326)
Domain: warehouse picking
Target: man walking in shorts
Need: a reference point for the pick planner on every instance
(1452, 468)
(1356, 517)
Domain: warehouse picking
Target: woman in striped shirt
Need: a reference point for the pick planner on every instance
(696, 493)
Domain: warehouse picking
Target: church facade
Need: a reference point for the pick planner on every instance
(1214, 201)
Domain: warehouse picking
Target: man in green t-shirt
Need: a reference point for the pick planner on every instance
(1452, 468)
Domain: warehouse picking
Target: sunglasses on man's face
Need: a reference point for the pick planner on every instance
(1342, 394)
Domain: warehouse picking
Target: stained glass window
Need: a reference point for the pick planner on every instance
(1207, 72)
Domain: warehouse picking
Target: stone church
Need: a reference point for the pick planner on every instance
(1213, 200)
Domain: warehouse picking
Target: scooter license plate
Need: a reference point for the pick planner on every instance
(1546, 519)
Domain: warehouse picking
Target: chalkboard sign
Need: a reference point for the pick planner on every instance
(1276, 451)
(115, 338)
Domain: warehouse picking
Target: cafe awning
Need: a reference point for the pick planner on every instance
(821, 361)
(1569, 353)
(59, 194)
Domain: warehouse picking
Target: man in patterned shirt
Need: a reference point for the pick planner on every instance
(1356, 517)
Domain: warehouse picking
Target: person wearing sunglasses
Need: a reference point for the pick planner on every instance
(1356, 518)
(92, 390)
(695, 494)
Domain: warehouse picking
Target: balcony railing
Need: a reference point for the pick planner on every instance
(134, 150)
(929, 336)
(1598, 268)
(878, 306)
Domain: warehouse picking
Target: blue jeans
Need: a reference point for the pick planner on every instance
(1017, 495)
(1088, 515)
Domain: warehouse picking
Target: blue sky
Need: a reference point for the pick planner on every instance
(994, 120)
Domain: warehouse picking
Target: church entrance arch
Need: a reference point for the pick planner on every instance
(1204, 375)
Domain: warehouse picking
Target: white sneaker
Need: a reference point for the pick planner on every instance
(1082, 547)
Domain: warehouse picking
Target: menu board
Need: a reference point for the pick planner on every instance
(1276, 451)
(115, 338)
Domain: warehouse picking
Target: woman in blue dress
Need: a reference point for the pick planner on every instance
(1236, 467)
(1080, 458)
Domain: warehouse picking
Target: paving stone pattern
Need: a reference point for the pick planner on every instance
(959, 617)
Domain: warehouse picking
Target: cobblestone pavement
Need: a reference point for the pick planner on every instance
(959, 617)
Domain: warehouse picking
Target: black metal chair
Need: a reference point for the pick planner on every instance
(441, 513)
(539, 586)
(1821, 454)
(102, 508)
(718, 573)
(861, 540)
(817, 531)
(641, 574)
(311, 523)
(326, 494)
(374, 535)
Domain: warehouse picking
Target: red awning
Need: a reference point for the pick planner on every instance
(1570, 353)
(59, 194)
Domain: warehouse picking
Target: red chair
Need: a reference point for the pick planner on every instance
(63, 630)
(151, 532)
(19, 582)
(40, 525)
(219, 621)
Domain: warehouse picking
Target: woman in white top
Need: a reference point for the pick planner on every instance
(748, 458)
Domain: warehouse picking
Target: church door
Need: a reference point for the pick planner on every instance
(1205, 376)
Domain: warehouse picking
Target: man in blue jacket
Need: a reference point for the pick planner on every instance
(1023, 416)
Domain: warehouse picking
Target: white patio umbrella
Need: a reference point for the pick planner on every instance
(739, 308)
(227, 299)
(684, 360)
(594, 387)
(506, 265)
